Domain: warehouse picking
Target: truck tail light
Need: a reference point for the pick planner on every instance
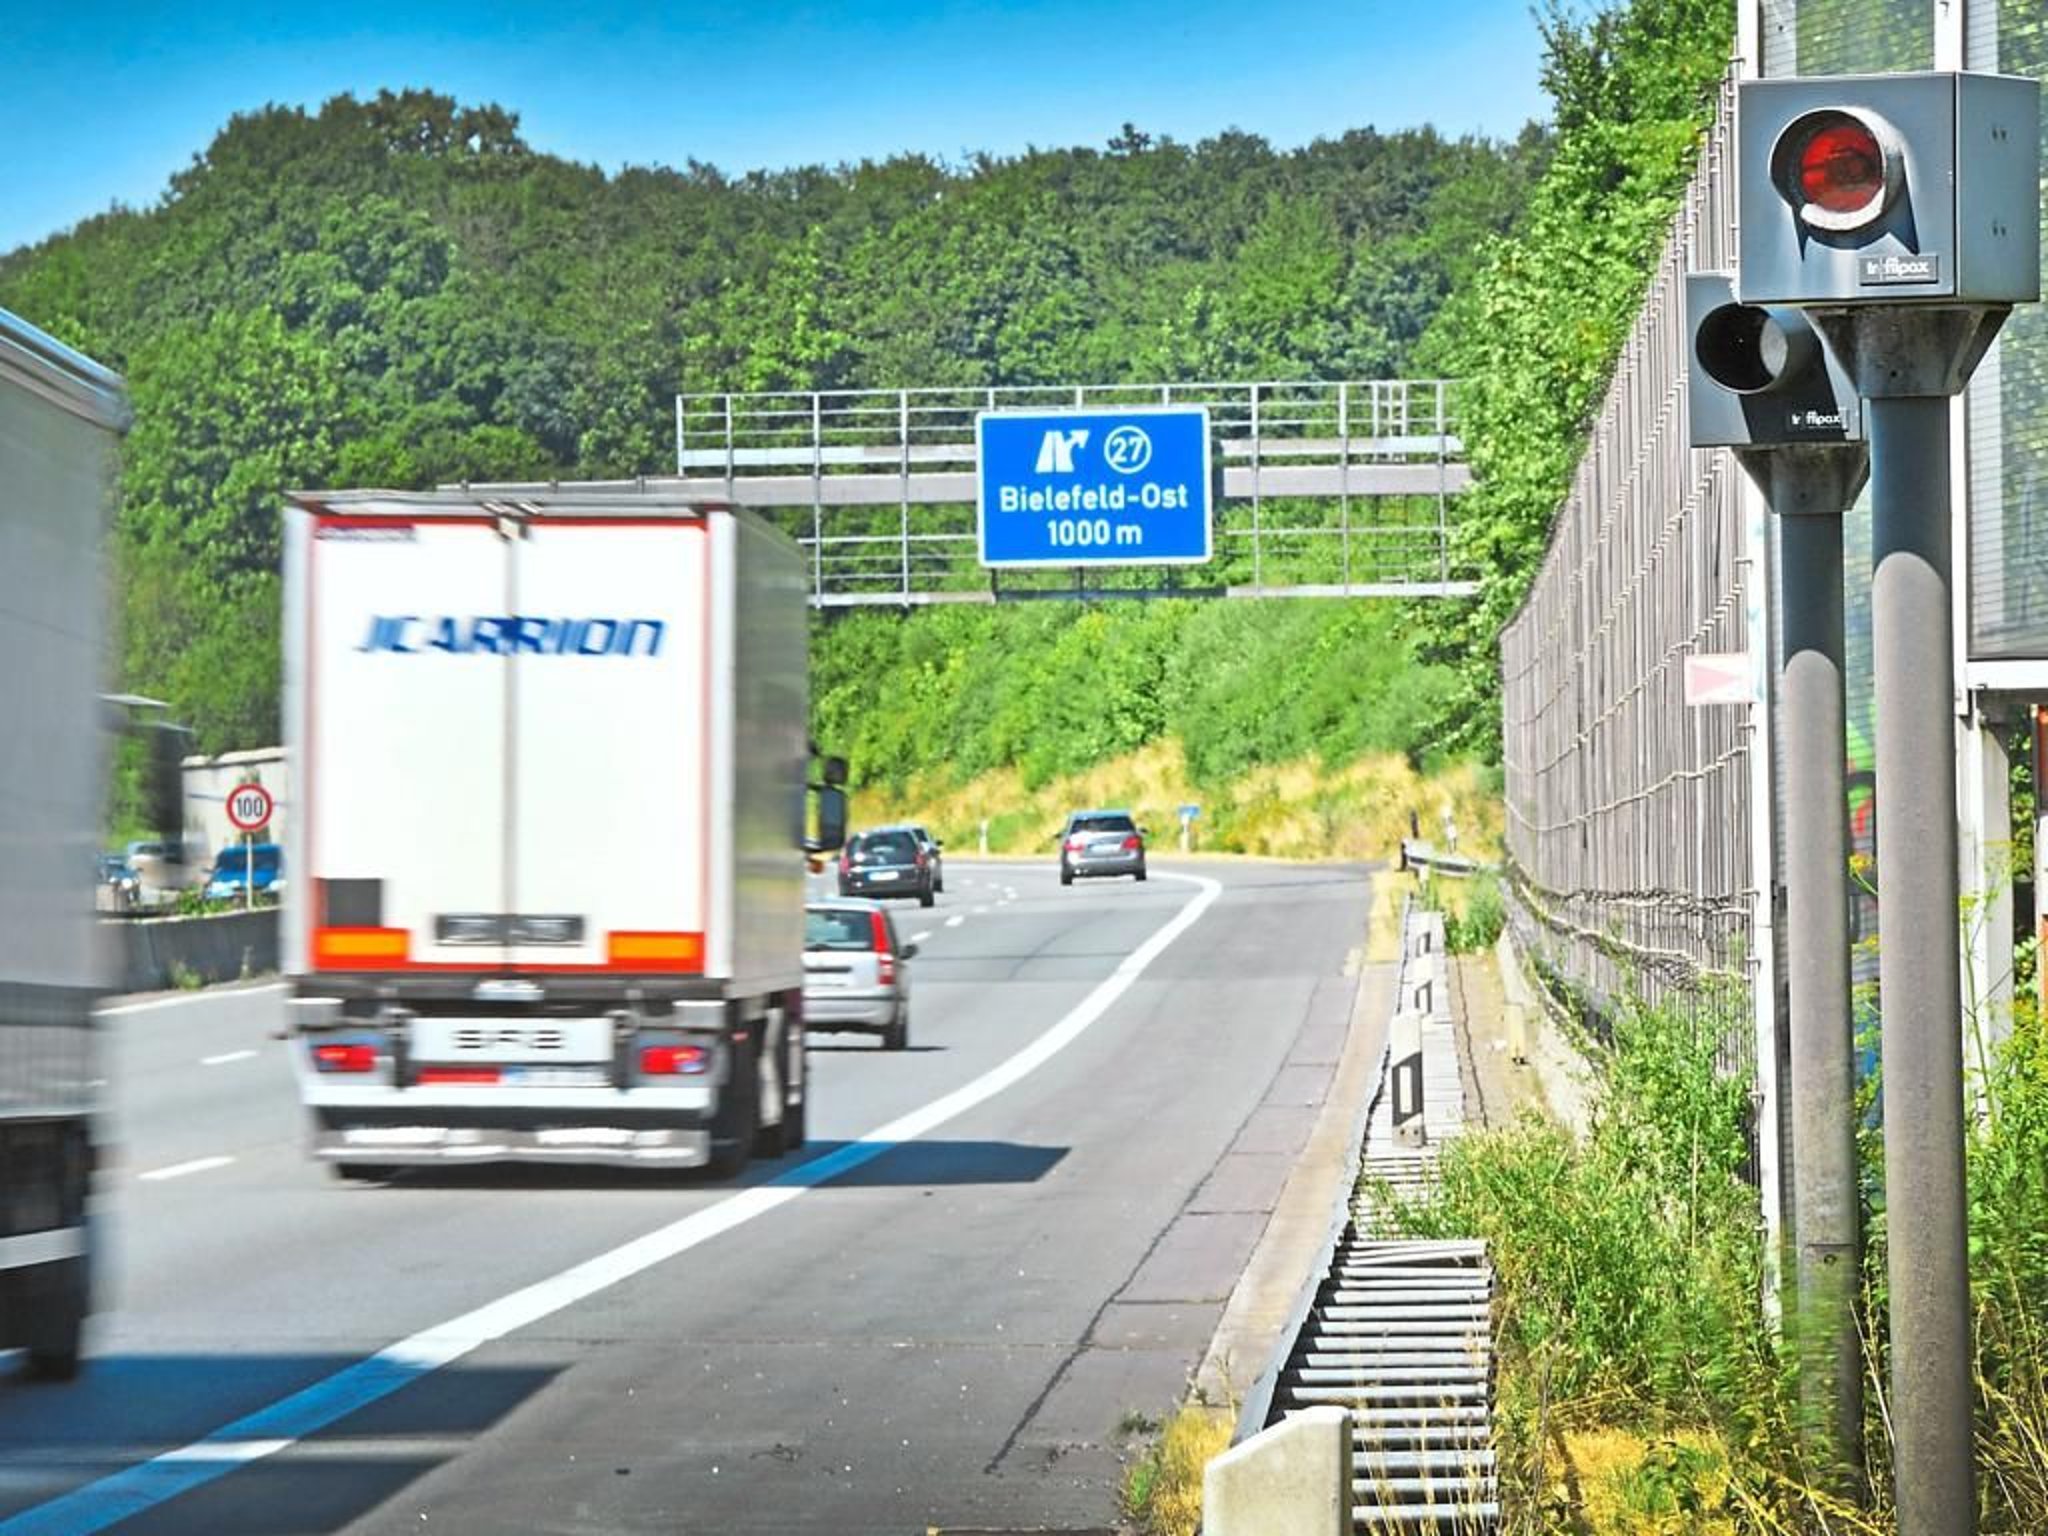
(345, 1058)
(673, 1060)
(361, 949)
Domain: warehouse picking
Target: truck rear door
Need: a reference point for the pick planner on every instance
(612, 741)
(407, 701)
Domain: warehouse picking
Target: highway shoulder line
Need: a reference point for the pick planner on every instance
(179, 1170)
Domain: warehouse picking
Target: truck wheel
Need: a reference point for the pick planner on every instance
(796, 1123)
(734, 1126)
(52, 1326)
(773, 1140)
(57, 1362)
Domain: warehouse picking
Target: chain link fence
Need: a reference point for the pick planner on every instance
(1628, 812)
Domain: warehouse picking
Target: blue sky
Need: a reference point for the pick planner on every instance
(100, 100)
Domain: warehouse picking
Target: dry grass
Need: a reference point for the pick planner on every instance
(1163, 1493)
(1297, 810)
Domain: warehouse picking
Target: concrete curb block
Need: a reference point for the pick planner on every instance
(1269, 1302)
(1291, 1480)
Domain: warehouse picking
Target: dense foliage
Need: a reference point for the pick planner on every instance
(1053, 688)
(400, 291)
(1535, 336)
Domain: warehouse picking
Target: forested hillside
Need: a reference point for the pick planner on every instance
(400, 291)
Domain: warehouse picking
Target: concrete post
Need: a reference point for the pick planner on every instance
(1907, 360)
(1826, 1212)
(2038, 716)
(1919, 980)
(1293, 1479)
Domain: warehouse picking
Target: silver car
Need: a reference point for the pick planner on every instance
(1101, 843)
(855, 971)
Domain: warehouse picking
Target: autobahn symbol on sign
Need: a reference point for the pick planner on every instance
(1098, 487)
(249, 807)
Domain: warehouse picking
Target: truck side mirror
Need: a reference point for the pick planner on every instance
(831, 820)
(165, 791)
(835, 771)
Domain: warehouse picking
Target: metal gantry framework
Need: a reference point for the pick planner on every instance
(1629, 814)
(1329, 489)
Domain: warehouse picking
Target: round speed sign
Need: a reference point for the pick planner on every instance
(249, 807)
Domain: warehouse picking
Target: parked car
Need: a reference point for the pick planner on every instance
(119, 886)
(933, 849)
(1101, 843)
(160, 877)
(238, 868)
(855, 977)
(887, 861)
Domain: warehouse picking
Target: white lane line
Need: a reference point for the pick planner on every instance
(282, 1424)
(179, 1170)
(955, 922)
(225, 1057)
(981, 911)
(919, 938)
(185, 999)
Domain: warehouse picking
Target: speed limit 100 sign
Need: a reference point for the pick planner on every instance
(249, 807)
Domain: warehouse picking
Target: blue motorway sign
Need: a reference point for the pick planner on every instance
(1097, 487)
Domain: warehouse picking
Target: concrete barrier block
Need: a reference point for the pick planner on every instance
(1293, 1479)
(1405, 1077)
(158, 953)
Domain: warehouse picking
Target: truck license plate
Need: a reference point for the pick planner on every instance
(539, 1041)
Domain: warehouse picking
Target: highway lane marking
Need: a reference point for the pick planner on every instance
(179, 1170)
(186, 998)
(281, 1425)
(919, 938)
(225, 1057)
(955, 922)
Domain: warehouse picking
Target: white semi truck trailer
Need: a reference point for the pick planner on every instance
(553, 801)
(61, 418)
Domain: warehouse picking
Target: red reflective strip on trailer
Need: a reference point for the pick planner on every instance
(430, 1077)
(409, 520)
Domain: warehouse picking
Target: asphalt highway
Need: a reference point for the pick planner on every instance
(1000, 1250)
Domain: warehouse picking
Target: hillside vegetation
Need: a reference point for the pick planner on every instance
(400, 291)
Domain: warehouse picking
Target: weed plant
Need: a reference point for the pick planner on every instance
(1640, 1388)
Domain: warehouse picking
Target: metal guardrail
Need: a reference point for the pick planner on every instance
(1329, 488)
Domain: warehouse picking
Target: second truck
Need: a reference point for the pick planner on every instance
(553, 796)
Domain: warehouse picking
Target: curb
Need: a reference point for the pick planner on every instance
(1309, 1215)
